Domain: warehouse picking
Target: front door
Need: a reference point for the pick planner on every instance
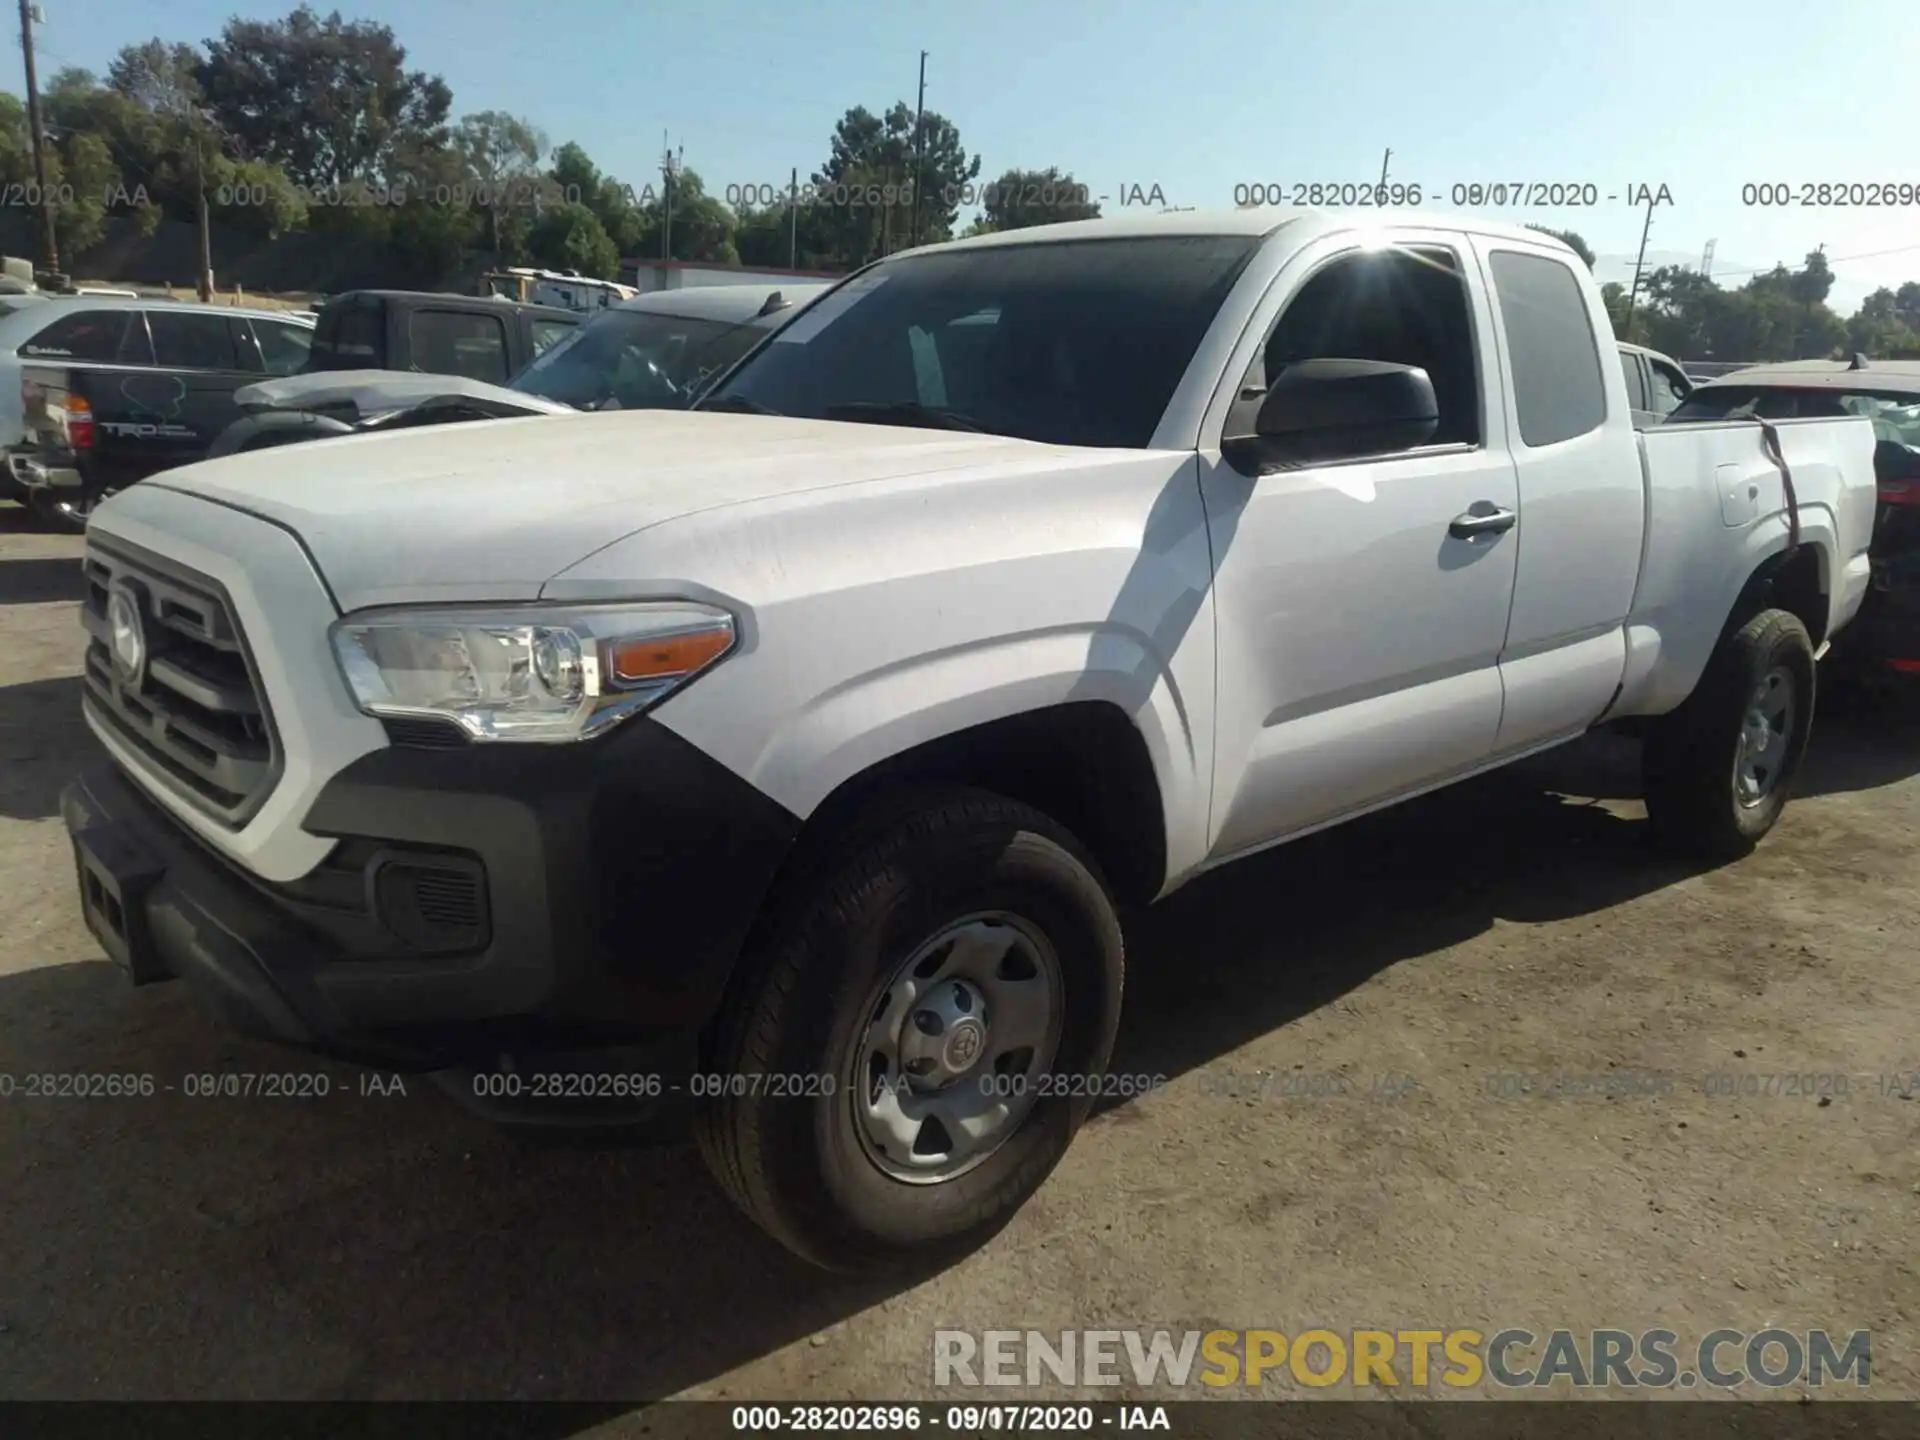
(1359, 633)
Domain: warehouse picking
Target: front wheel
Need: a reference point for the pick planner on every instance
(1718, 770)
(915, 1038)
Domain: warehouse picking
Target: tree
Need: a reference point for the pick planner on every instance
(1020, 198)
(868, 180)
(569, 236)
(703, 227)
(1571, 240)
(1880, 329)
(326, 100)
(502, 155)
(575, 176)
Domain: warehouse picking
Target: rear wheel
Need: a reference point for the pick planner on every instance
(1719, 769)
(914, 1037)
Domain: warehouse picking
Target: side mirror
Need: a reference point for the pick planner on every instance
(1342, 409)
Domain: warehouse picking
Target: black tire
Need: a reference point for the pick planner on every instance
(796, 1165)
(1692, 755)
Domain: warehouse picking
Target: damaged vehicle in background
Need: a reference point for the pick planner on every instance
(654, 352)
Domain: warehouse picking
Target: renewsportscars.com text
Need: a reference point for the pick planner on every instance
(1512, 1358)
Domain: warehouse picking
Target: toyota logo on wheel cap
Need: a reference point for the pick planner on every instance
(126, 635)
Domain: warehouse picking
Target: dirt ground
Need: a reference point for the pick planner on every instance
(364, 1247)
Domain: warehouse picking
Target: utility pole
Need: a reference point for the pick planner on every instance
(1633, 295)
(1385, 160)
(919, 138)
(49, 246)
(793, 221)
(201, 218)
(669, 170)
(1706, 260)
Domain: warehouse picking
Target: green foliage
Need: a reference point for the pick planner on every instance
(703, 227)
(1020, 198)
(1779, 315)
(570, 237)
(327, 100)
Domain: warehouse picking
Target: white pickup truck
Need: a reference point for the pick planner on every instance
(799, 749)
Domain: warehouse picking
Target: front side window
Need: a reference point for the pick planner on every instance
(1630, 372)
(449, 342)
(1400, 306)
(546, 333)
(283, 348)
(1075, 343)
(1557, 386)
(351, 336)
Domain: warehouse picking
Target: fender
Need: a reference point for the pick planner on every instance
(876, 618)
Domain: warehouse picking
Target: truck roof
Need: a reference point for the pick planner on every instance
(1262, 221)
(731, 303)
(1902, 376)
(442, 296)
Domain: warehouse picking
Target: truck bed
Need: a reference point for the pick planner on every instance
(1700, 475)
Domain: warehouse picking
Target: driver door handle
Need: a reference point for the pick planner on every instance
(1488, 521)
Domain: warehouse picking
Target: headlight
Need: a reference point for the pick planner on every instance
(533, 673)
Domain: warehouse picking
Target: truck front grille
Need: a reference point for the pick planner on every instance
(195, 711)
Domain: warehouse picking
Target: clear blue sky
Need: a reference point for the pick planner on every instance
(1198, 96)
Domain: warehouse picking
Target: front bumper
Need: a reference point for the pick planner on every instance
(480, 903)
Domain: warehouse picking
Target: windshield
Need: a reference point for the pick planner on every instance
(636, 360)
(1895, 416)
(1074, 343)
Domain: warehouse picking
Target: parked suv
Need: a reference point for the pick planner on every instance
(61, 330)
(107, 391)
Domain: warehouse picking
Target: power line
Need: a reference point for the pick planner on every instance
(1831, 260)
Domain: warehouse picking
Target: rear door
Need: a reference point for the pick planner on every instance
(167, 410)
(1582, 494)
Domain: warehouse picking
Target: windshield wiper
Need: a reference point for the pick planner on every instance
(738, 405)
(904, 412)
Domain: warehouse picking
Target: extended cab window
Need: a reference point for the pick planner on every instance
(90, 335)
(1630, 372)
(1069, 343)
(1557, 385)
(450, 342)
(187, 341)
(1402, 306)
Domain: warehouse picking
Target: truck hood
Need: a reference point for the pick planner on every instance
(378, 392)
(494, 509)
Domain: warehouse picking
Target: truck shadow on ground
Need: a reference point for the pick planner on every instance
(35, 582)
(378, 1246)
(43, 743)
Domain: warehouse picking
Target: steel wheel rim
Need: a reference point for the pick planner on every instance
(947, 1064)
(1766, 734)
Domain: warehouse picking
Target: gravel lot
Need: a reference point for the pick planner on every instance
(367, 1247)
